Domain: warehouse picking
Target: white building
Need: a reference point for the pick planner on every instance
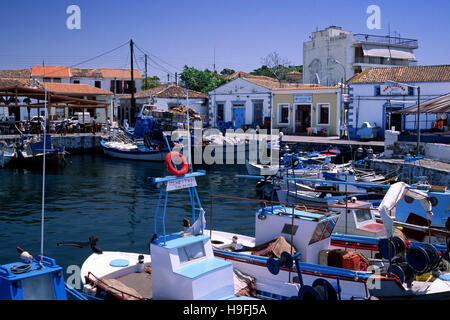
(334, 54)
(246, 101)
(374, 98)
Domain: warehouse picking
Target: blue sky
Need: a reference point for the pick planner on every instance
(240, 32)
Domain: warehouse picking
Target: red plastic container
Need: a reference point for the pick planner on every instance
(351, 261)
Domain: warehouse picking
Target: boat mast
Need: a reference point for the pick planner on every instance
(188, 129)
(43, 174)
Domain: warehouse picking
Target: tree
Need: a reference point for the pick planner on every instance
(150, 82)
(227, 72)
(202, 81)
(263, 71)
(277, 65)
(274, 66)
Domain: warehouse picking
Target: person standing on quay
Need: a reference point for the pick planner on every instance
(93, 125)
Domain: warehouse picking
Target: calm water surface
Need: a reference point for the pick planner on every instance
(111, 199)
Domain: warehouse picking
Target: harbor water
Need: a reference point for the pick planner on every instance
(112, 200)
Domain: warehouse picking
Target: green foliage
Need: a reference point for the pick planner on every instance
(280, 71)
(227, 72)
(202, 81)
(150, 82)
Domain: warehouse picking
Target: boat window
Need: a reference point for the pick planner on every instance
(38, 288)
(289, 229)
(323, 230)
(363, 215)
(191, 252)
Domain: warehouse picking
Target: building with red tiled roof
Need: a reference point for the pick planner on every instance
(117, 81)
(246, 100)
(376, 94)
(166, 97)
(71, 89)
(436, 73)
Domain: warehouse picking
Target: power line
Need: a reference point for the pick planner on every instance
(163, 61)
(87, 60)
(161, 67)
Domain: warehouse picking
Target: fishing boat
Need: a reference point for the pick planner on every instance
(133, 150)
(180, 265)
(36, 278)
(30, 152)
(151, 147)
(6, 154)
(351, 263)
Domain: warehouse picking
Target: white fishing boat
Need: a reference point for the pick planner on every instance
(362, 267)
(260, 169)
(315, 261)
(133, 151)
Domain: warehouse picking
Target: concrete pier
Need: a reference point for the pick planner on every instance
(74, 143)
(436, 172)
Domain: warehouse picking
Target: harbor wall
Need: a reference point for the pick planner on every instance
(396, 149)
(73, 143)
(435, 172)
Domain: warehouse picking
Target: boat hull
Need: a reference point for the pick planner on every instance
(5, 158)
(140, 155)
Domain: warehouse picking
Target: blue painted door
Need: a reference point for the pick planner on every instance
(239, 117)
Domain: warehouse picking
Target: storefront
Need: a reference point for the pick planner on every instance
(311, 110)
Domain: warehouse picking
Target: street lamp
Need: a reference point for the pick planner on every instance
(418, 108)
(342, 84)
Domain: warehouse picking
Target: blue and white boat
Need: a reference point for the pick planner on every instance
(180, 265)
(133, 150)
(36, 278)
(309, 236)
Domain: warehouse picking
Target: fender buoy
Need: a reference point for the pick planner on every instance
(185, 166)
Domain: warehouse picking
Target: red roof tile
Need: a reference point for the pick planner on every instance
(51, 71)
(403, 74)
(167, 91)
(74, 89)
(67, 72)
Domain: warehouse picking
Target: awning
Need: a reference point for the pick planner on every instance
(388, 52)
(437, 105)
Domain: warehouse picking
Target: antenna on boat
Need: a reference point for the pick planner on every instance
(43, 173)
(188, 129)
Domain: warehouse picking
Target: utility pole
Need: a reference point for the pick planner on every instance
(133, 100)
(176, 78)
(146, 77)
(168, 78)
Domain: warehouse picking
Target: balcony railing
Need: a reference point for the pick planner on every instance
(386, 40)
(384, 61)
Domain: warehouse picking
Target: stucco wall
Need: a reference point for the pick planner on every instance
(330, 98)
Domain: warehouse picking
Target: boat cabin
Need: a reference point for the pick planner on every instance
(31, 281)
(358, 218)
(309, 232)
(183, 264)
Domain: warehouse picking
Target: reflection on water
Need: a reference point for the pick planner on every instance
(111, 199)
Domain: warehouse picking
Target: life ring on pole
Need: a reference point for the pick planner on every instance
(170, 167)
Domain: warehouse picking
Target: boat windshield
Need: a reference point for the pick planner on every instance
(363, 215)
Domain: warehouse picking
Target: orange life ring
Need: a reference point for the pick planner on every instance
(185, 166)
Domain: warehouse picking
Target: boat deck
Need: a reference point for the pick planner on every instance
(133, 283)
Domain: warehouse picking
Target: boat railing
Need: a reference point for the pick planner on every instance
(99, 283)
(119, 136)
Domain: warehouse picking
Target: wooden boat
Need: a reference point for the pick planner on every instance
(133, 151)
(30, 152)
